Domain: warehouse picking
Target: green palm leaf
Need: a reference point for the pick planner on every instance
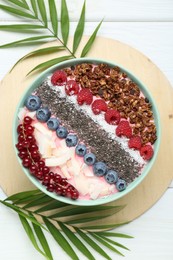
(49, 63)
(106, 226)
(90, 41)
(42, 10)
(26, 40)
(21, 27)
(53, 16)
(92, 243)
(113, 242)
(79, 30)
(84, 220)
(28, 199)
(22, 195)
(64, 21)
(21, 213)
(34, 7)
(38, 201)
(54, 205)
(64, 244)
(113, 234)
(30, 234)
(41, 237)
(75, 240)
(103, 242)
(82, 209)
(19, 3)
(42, 51)
(15, 11)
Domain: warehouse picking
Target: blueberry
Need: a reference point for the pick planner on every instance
(89, 158)
(32, 103)
(43, 114)
(100, 168)
(62, 132)
(71, 140)
(111, 176)
(121, 185)
(53, 123)
(80, 150)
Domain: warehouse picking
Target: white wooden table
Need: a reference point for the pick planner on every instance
(146, 25)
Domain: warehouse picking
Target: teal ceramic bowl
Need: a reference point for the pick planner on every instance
(131, 186)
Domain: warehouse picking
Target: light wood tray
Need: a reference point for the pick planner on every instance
(12, 179)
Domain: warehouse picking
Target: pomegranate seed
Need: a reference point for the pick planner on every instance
(57, 178)
(58, 190)
(45, 170)
(26, 162)
(41, 164)
(21, 138)
(50, 187)
(20, 129)
(39, 175)
(22, 154)
(33, 147)
(27, 120)
(46, 179)
(33, 169)
(25, 144)
(29, 129)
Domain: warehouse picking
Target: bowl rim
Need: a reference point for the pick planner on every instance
(146, 169)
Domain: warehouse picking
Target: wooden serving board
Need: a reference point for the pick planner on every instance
(12, 179)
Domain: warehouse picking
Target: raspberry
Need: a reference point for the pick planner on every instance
(71, 88)
(146, 152)
(59, 78)
(124, 129)
(84, 96)
(112, 117)
(99, 105)
(135, 142)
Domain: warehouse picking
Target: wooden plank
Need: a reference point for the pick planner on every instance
(153, 39)
(111, 10)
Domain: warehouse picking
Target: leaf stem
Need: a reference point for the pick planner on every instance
(67, 48)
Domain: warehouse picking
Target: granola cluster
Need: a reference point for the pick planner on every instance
(121, 93)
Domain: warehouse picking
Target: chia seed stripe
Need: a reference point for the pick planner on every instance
(95, 138)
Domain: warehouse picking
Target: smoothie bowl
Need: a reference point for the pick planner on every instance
(86, 132)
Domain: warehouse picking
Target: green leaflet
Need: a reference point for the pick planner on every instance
(103, 242)
(53, 16)
(29, 199)
(92, 243)
(112, 242)
(82, 209)
(64, 244)
(107, 226)
(64, 21)
(49, 63)
(34, 7)
(113, 234)
(38, 201)
(41, 237)
(75, 240)
(42, 51)
(18, 3)
(16, 11)
(26, 40)
(22, 195)
(42, 10)
(21, 27)
(30, 234)
(90, 42)
(79, 30)
(21, 213)
(54, 205)
(84, 220)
